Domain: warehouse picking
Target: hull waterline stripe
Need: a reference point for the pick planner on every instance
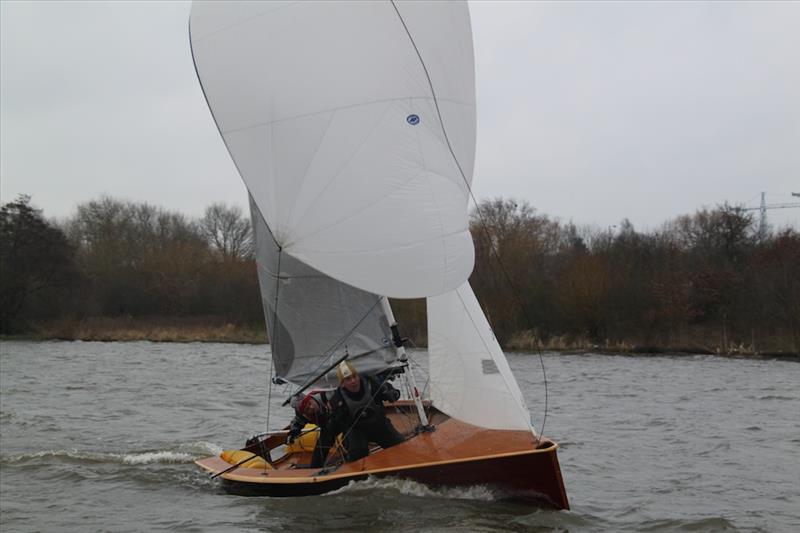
(361, 473)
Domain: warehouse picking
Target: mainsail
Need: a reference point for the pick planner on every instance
(353, 127)
(314, 319)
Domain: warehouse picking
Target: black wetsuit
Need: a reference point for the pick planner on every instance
(361, 419)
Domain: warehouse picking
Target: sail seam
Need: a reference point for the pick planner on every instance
(335, 109)
(243, 21)
(434, 199)
(336, 177)
(311, 162)
(433, 94)
(378, 250)
(442, 236)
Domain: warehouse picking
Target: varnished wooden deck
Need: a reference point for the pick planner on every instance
(455, 453)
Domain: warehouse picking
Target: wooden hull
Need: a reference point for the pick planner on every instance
(455, 454)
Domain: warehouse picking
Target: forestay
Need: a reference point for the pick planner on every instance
(469, 376)
(318, 319)
(353, 127)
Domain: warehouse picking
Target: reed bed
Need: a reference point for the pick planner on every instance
(221, 329)
(172, 329)
(691, 341)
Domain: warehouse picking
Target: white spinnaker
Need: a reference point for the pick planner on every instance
(328, 111)
(470, 377)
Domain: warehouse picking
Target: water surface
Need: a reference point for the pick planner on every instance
(101, 437)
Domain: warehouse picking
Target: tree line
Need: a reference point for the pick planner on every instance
(114, 258)
(709, 279)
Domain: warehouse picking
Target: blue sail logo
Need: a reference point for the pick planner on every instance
(412, 119)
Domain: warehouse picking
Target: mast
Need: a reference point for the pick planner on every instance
(400, 350)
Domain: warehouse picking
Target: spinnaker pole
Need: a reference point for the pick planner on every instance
(400, 351)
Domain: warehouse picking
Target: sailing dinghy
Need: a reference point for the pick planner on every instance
(352, 125)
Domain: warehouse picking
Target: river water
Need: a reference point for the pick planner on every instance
(101, 437)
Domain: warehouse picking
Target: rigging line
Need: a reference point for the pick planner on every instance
(518, 298)
(427, 384)
(273, 340)
(425, 388)
(544, 375)
(433, 93)
(330, 351)
(488, 349)
(362, 411)
(409, 416)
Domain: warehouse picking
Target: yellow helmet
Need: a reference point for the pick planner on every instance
(345, 370)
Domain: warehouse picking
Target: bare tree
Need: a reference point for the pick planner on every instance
(227, 230)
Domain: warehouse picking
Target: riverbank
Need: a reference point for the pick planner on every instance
(699, 341)
(157, 329)
(221, 329)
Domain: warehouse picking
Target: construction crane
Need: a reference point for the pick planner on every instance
(762, 222)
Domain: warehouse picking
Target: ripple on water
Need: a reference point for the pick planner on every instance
(84, 449)
(88, 457)
(408, 487)
(778, 398)
(700, 524)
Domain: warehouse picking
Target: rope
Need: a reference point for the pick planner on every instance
(330, 351)
(477, 207)
(272, 342)
(360, 414)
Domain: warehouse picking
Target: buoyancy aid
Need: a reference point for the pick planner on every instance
(362, 410)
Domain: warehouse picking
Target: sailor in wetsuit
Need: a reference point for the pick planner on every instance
(312, 408)
(357, 413)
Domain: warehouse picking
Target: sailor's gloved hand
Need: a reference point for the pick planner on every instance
(394, 394)
(292, 436)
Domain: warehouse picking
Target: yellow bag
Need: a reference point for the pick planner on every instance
(235, 456)
(306, 441)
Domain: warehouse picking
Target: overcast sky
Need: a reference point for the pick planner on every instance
(592, 112)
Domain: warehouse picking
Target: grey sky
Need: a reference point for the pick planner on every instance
(591, 112)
